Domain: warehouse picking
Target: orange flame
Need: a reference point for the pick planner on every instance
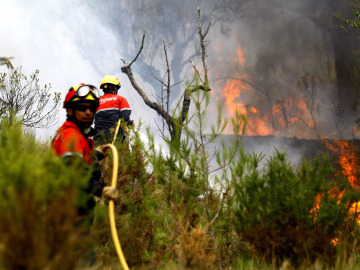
(348, 160)
(240, 55)
(232, 91)
(257, 125)
(288, 118)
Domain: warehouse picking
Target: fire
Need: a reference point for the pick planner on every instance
(232, 91)
(234, 88)
(254, 110)
(335, 193)
(240, 55)
(311, 124)
(356, 131)
(348, 160)
(288, 116)
(302, 105)
(291, 116)
(259, 127)
(294, 119)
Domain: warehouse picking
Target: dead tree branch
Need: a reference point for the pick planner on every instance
(153, 105)
(202, 43)
(174, 123)
(171, 121)
(139, 52)
(168, 73)
(196, 71)
(126, 69)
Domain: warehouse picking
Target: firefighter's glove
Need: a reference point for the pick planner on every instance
(102, 151)
(110, 193)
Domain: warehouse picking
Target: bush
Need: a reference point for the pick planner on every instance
(294, 215)
(139, 210)
(38, 204)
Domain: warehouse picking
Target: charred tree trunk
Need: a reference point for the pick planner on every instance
(346, 66)
(344, 45)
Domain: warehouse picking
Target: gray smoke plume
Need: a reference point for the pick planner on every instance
(290, 66)
(67, 42)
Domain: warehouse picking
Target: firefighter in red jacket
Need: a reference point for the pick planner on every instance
(112, 108)
(72, 138)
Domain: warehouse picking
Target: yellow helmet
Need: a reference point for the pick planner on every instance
(108, 79)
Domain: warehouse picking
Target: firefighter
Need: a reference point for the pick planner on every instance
(72, 138)
(112, 108)
(73, 143)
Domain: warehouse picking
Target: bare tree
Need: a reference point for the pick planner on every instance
(177, 122)
(174, 122)
(26, 100)
(171, 20)
(307, 85)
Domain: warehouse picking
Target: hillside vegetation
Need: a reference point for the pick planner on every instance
(187, 208)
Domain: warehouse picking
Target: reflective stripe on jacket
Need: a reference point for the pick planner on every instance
(112, 108)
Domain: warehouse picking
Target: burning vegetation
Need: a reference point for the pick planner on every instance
(304, 119)
(180, 211)
(299, 111)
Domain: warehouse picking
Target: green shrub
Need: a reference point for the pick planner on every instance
(38, 204)
(278, 211)
(140, 214)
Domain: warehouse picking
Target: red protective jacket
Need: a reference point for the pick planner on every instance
(112, 108)
(69, 141)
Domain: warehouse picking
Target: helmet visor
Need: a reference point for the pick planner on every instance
(84, 90)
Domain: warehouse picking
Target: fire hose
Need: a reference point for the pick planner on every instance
(111, 202)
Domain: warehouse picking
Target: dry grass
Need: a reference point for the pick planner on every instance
(195, 250)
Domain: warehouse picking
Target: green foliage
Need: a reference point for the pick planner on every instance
(195, 180)
(355, 24)
(142, 219)
(38, 204)
(171, 206)
(190, 207)
(293, 214)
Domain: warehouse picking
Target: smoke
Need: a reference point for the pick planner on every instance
(68, 43)
(262, 55)
(287, 82)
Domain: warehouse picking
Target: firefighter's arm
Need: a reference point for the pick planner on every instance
(98, 188)
(125, 116)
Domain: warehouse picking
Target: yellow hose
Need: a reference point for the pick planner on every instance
(116, 131)
(111, 206)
